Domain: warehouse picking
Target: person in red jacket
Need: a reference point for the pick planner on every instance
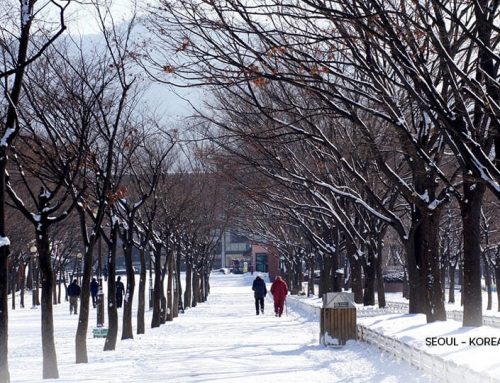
(279, 289)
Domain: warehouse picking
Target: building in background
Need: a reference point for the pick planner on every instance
(237, 252)
(264, 259)
(231, 250)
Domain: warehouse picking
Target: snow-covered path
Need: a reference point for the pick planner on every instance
(221, 340)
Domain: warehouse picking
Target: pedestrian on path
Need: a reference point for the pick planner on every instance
(279, 290)
(120, 289)
(260, 291)
(73, 293)
(94, 289)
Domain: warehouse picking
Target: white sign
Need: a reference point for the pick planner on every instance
(338, 300)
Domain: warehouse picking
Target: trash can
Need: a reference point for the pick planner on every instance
(337, 319)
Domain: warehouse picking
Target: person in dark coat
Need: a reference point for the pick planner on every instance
(260, 291)
(73, 294)
(120, 290)
(279, 289)
(94, 289)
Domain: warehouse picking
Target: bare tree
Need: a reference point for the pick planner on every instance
(16, 56)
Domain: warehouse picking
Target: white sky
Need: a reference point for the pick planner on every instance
(221, 340)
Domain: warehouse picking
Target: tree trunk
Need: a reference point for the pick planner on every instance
(201, 294)
(207, 284)
(406, 288)
(380, 277)
(290, 278)
(176, 286)
(170, 286)
(189, 288)
(471, 221)
(83, 318)
(426, 293)
(497, 281)
(111, 338)
(451, 276)
(127, 330)
(155, 320)
(196, 288)
(4, 291)
(10, 124)
(417, 303)
(310, 278)
(163, 299)
(142, 295)
(22, 284)
(59, 290)
(487, 281)
(54, 289)
(356, 279)
(178, 282)
(337, 277)
(369, 271)
(326, 275)
(428, 244)
(50, 370)
(298, 276)
(13, 287)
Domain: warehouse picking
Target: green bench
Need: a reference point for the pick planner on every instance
(100, 332)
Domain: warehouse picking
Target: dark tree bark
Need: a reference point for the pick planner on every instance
(369, 266)
(356, 275)
(380, 277)
(188, 295)
(50, 370)
(196, 288)
(110, 343)
(497, 280)
(156, 318)
(451, 277)
(142, 294)
(487, 281)
(127, 330)
(22, 283)
(178, 282)
(170, 286)
(471, 218)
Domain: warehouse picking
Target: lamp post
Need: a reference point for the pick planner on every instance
(34, 284)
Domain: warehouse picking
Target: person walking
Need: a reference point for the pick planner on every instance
(279, 290)
(94, 289)
(260, 291)
(120, 290)
(73, 293)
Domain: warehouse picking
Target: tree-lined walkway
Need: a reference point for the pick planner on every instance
(221, 340)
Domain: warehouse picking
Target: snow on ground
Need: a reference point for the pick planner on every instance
(465, 346)
(221, 340)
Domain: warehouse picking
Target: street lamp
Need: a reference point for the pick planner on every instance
(34, 284)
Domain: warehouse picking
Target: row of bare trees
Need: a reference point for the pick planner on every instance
(91, 165)
(359, 117)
